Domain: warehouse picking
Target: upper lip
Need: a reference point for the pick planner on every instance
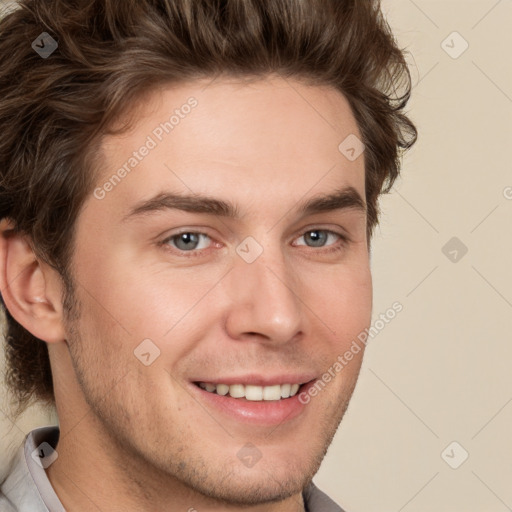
(254, 379)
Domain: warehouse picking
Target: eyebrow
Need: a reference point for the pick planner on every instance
(345, 198)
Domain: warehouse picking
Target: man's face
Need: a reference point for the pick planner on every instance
(265, 295)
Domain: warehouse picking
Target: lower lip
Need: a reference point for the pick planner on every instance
(265, 412)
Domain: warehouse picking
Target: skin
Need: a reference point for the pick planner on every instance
(132, 436)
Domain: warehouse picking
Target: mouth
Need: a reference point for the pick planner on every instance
(255, 405)
(253, 393)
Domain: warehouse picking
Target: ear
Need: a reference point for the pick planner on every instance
(31, 290)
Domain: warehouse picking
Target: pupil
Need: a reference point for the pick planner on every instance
(187, 239)
(316, 237)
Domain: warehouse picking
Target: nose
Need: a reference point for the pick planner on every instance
(264, 299)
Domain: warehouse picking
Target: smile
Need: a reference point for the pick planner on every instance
(250, 392)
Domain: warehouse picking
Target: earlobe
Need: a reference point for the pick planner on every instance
(27, 287)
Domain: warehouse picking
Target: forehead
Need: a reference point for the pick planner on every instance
(231, 137)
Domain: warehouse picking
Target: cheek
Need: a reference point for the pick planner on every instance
(345, 304)
(344, 312)
(121, 295)
(134, 311)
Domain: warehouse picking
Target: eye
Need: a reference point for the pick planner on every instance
(187, 241)
(318, 237)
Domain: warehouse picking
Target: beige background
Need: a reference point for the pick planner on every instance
(440, 371)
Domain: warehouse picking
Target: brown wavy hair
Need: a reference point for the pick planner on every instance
(54, 111)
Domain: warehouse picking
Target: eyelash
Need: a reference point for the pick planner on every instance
(343, 242)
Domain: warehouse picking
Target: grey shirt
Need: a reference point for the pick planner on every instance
(27, 488)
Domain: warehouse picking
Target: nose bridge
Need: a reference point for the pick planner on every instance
(264, 299)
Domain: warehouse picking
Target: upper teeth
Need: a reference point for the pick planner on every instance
(250, 392)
